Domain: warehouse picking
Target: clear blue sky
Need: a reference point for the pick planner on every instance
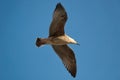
(95, 24)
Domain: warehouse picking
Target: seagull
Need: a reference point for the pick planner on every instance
(59, 40)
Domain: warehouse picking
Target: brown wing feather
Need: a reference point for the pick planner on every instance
(67, 56)
(58, 22)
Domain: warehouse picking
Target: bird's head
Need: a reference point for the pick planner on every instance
(39, 42)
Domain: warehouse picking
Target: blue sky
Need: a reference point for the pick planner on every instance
(95, 24)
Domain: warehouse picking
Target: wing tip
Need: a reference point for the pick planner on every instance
(73, 72)
(59, 5)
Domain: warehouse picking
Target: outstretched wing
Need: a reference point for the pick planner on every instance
(67, 56)
(58, 22)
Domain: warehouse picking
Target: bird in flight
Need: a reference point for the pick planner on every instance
(59, 40)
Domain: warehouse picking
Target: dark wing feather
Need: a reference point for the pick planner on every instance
(58, 22)
(67, 56)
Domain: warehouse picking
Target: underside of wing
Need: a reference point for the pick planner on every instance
(67, 56)
(58, 21)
